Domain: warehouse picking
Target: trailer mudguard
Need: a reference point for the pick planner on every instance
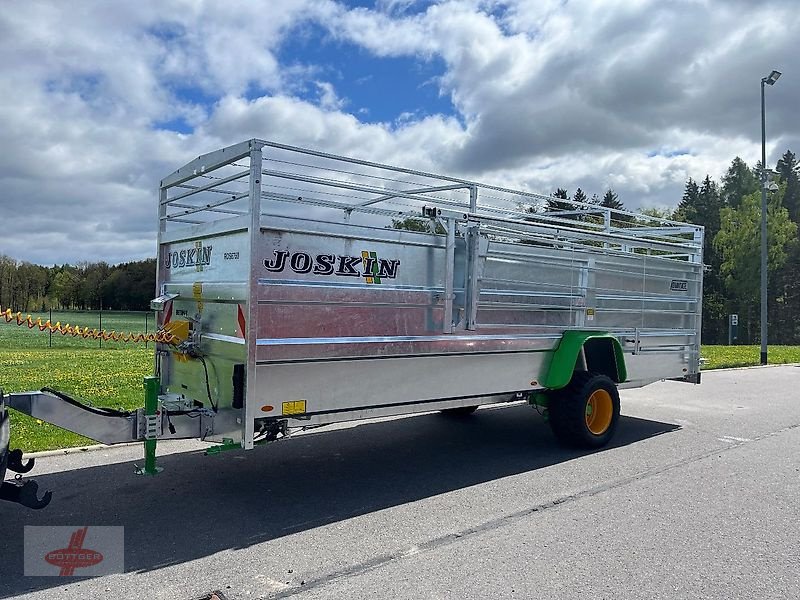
(605, 357)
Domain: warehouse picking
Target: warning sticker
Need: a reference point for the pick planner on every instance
(294, 407)
(197, 293)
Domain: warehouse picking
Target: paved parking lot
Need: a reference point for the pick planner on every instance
(699, 497)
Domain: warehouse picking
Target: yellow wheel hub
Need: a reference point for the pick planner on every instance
(599, 412)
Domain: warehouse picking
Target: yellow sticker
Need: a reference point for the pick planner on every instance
(294, 407)
(199, 247)
(197, 293)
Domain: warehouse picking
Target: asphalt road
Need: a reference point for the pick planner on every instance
(699, 497)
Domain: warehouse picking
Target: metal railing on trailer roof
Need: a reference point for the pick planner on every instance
(216, 185)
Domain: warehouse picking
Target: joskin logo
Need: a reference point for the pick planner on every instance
(369, 266)
(196, 257)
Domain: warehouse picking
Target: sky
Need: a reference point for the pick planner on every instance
(99, 100)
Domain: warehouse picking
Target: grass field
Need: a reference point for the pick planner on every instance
(112, 376)
(107, 377)
(722, 357)
(12, 336)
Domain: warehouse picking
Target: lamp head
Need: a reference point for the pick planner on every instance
(772, 78)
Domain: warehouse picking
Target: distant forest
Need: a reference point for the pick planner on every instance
(729, 210)
(87, 286)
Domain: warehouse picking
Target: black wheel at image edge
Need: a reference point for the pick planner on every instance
(585, 413)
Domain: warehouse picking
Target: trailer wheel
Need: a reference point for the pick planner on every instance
(585, 413)
(459, 411)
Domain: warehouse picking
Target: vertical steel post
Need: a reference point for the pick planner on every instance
(254, 233)
(161, 369)
(472, 287)
(151, 387)
(473, 199)
(763, 229)
(699, 238)
(450, 268)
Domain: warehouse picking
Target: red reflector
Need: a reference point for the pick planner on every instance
(242, 323)
(267, 408)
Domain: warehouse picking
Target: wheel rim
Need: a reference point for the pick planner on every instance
(599, 412)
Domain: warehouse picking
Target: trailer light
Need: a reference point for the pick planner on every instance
(267, 408)
(159, 303)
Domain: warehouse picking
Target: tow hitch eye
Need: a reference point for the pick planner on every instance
(25, 493)
(19, 491)
(15, 462)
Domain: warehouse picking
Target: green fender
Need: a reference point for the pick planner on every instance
(562, 364)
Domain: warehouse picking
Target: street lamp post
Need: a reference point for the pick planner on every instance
(768, 80)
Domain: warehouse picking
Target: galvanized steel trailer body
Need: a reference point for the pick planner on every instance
(335, 316)
(300, 304)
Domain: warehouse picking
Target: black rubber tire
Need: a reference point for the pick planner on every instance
(567, 410)
(460, 411)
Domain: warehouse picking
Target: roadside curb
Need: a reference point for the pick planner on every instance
(165, 445)
(750, 367)
(78, 450)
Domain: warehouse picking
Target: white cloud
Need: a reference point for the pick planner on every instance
(548, 94)
(327, 96)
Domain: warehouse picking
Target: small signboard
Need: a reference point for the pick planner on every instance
(679, 285)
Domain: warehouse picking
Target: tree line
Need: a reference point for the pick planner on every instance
(731, 214)
(730, 211)
(86, 286)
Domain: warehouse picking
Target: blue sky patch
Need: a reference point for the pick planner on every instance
(668, 153)
(88, 85)
(193, 95)
(166, 31)
(178, 124)
(374, 89)
(398, 7)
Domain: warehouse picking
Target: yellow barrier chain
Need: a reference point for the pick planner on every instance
(163, 336)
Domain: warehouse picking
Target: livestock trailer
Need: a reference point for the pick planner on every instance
(298, 288)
